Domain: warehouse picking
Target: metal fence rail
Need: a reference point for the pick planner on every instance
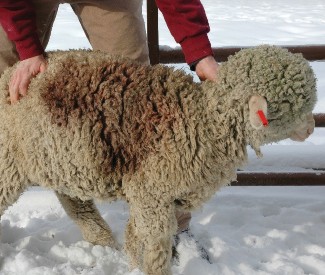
(316, 178)
(310, 52)
(160, 55)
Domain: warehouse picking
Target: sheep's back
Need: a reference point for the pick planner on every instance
(128, 107)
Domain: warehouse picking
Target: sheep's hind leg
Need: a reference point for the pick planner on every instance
(9, 193)
(133, 245)
(85, 214)
(12, 184)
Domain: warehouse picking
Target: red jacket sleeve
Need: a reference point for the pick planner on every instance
(18, 21)
(187, 22)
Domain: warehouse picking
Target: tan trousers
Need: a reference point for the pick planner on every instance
(111, 26)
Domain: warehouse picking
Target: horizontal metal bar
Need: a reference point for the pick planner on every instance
(310, 52)
(280, 179)
(319, 120)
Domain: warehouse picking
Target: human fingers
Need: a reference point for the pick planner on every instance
(43, 67)
(23, 84)
(19, 84)
(21, 77)
(14, 89)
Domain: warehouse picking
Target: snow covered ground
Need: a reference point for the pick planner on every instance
(246, 230)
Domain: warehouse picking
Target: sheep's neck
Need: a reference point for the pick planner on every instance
(223, 121)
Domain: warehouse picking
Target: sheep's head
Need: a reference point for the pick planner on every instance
(279, 83)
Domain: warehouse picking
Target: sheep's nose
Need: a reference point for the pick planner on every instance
(302, 132)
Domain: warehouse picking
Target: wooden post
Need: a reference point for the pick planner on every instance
(152, 31)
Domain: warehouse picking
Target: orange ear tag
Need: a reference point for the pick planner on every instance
(262, 117)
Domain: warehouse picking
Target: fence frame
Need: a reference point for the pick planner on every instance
(310, 52)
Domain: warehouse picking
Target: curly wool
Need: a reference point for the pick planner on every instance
(286, 80)
(127, 105)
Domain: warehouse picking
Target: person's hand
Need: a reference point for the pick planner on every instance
(207, 68)
(21, 77)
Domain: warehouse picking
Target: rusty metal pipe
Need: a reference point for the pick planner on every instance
(319, 120)
(310, 52)
(280, 179)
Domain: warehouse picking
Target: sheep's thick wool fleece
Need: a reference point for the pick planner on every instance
(93, 126)
(93, 119)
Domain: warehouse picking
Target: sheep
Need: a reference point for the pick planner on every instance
(98, 127)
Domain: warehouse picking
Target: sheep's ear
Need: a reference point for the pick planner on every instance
(257, 103)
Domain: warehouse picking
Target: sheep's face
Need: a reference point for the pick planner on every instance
(284, 80)
(298, 130)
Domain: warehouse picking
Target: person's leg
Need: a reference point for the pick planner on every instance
(45, 15)
(8, 54)
(46, 11)
(116, 27)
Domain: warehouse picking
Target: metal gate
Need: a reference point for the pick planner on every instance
(310, 52)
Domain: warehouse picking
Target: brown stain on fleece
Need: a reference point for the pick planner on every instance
(129, 110)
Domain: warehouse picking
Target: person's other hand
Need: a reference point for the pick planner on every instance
(21, 77)
(207, 68)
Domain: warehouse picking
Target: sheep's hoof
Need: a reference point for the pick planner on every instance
(111, 243)
(103, 241)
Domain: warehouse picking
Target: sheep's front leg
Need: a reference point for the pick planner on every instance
(85, 214)
(133, 245)
(152, 228)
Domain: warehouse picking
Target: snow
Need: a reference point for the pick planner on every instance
(246, 230)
